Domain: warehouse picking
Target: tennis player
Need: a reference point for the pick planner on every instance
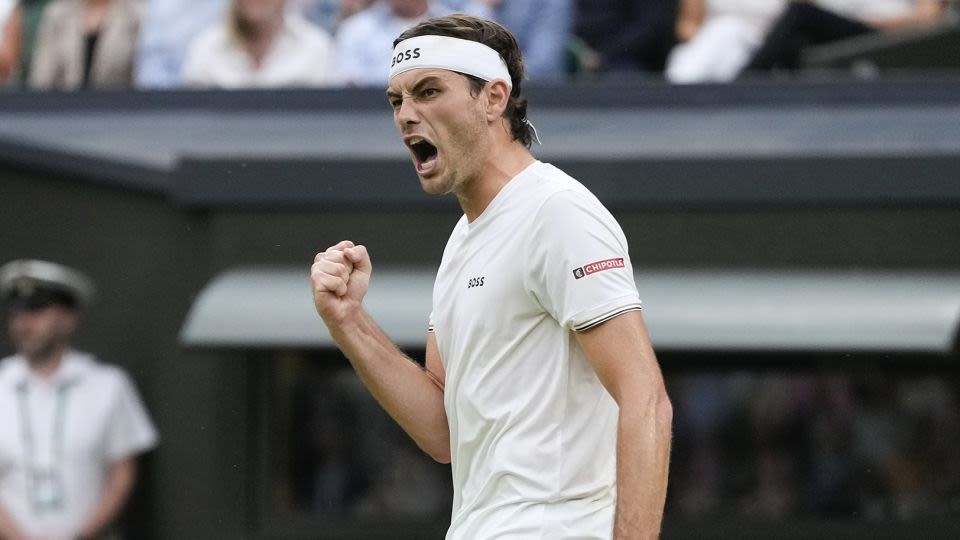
(540, 385)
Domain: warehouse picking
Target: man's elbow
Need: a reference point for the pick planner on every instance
(442, 457)
(664, 410)
(438, 447)
(440, 454)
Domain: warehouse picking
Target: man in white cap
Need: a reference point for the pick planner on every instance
(540, 385)
(71, 428)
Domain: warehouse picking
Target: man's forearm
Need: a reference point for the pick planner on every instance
(8, 528)
(643, 458)
(412, 395)
(121, 477)
(925, 12)
(403, 388)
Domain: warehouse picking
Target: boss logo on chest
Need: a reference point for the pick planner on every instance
(408, 54)
(475, 282)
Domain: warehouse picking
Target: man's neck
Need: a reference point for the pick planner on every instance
(260, 39)
(499, 168)
(44, 366)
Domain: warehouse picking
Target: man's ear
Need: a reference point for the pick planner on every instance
(498, 94)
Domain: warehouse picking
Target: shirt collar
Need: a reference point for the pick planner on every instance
(74, 367)
(14, 372)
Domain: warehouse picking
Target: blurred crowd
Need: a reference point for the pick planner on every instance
(870, 445)
(873, 445)
(158, 44)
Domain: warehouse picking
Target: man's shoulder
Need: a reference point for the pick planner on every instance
(307, 32)
(13, 370)
(441, 9)
(209, 47)
(92, 369)
(7, 364)
(553, 184)
(554, 176)
(212, 37)
(58, 10)
(132, 9)
(364, 22)
(562, 199)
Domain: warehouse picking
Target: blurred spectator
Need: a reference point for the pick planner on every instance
(9, 39)
(542, 28)
(328, 14)
(365, 40)
(629, 35)
(260, 45)
(71, 428)
(718, 37)
(6, 8)
(18, 36)
(877, 444)
(169, 26)
(86, 44)
(808, 23)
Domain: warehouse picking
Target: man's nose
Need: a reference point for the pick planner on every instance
(407, 113)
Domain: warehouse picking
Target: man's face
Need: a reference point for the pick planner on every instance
(37, 333)
(443, 125)
(259, 12)
(408, 9)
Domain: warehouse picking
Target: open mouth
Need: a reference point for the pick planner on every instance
(424, 151)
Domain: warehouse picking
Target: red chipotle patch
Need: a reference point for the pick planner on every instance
(598, 266)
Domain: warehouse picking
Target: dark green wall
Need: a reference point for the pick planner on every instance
(891, 238)
(149, 258)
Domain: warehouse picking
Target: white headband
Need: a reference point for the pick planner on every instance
(454, 54)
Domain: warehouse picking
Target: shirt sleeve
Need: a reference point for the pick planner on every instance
(194, 70)
(156, 65)
(130, 432)
(351, 65)
(582, 273)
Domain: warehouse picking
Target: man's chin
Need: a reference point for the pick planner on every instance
(30, 353)
(35, 351)
(434, 185)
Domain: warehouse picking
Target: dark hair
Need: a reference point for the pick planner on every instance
(40, 297)
(496, 37)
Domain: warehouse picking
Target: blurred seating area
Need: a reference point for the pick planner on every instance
(796, 230)
(162, 44)
(748, 444)
(774, 445)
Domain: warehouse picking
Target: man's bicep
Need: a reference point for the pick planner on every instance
(432, 362)
(620, 352)
(581, 272)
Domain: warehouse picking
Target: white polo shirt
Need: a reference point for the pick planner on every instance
(301, 55)
(73, 425)
(532, 429)
(6, 7)
(865, 10)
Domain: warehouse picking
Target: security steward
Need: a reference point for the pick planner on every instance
(71, 427)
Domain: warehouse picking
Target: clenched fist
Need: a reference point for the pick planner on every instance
(340, 276)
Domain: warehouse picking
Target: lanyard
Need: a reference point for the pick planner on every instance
(44, 483)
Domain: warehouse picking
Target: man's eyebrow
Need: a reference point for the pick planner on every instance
(417, 87)
(424, 82)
